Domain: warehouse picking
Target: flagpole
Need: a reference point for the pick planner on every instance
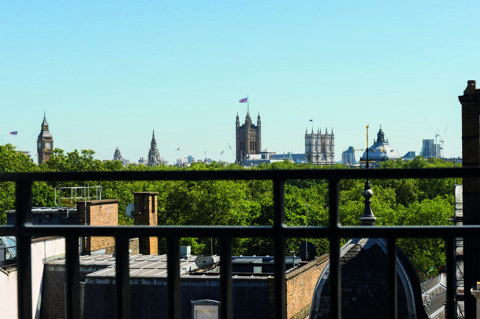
(248, 105)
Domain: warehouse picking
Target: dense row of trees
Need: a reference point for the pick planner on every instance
(395, 202)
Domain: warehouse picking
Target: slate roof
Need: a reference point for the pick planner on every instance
(364, 284)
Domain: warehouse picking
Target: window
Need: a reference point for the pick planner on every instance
(205, 309)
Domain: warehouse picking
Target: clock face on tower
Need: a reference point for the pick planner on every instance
(47, 145)
(39, 145)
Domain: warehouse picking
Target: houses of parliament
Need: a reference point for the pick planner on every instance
(319, 147)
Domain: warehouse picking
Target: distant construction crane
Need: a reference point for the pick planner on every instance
(439, 141)
(442, 138)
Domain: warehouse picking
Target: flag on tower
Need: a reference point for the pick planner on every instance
(13, 133)
(245, 100)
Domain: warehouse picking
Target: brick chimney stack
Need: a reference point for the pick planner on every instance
(470, 101)
(103, 212)
(145, 213)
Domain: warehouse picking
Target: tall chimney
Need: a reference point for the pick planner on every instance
(470, 101)
(145, 213)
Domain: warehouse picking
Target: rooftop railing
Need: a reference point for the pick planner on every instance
(279, 232)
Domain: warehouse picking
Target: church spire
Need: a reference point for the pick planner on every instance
(153, 154)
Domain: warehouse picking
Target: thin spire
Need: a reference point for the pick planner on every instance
(153, 138)
(44, 118)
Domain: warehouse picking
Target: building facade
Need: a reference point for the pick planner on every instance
(430, 149)
(348, 156)
(320, 148)
(153, 154)
(248, 138)
(44, 143)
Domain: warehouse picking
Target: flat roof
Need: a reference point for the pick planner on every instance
(155, 266)
(143, 266)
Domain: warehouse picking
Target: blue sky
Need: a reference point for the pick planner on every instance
(107, 73)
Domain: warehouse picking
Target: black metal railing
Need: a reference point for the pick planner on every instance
(279, 232)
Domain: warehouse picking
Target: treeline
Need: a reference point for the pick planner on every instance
(250, 202)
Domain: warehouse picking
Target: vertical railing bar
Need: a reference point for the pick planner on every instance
(279, 248)
(72, 278)
(392, 277)
(122, 274)
(23, 217)
(226, 285)
(334, 240)
(451, 275)
(173, 278)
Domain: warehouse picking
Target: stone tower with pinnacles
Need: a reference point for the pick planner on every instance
(248, 138)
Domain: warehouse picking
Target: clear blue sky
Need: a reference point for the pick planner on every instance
(109, 72)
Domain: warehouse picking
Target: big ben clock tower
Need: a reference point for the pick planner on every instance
(44, 143)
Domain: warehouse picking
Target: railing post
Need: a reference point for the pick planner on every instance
(226, 286)
(279, 248)
(173, 278)
(72, 279)
(451, 277)
(122, 278)
(392, 278)
(335, 271)
(23, 217)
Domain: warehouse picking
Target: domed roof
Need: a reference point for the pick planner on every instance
(117, 156)
(380, 151)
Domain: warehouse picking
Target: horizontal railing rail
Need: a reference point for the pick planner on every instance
(279, 232)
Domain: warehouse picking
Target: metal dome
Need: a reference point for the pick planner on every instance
(380, 151)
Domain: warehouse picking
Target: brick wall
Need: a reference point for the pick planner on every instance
(145, 213)
(252, 297)
(133, 246)
(102, 212)
(301, 285)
